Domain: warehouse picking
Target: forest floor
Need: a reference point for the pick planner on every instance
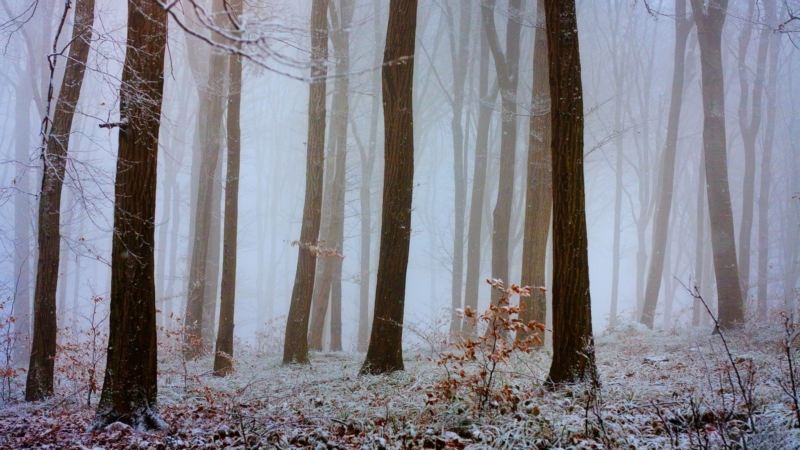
(659, 389)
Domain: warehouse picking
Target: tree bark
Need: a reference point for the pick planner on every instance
(683, 26)
(385, 352)
(710, 20)
(223, 354)
(539, 190)
(573, 343)
(54, 159)
(295, 347)
(130, 384)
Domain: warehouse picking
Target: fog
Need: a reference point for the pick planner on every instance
(627, 50)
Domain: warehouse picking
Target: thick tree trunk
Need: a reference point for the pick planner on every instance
(385, 352)
(710, 20)
(212, 107)
(475, 231)
(539, 192)
(214, 255)
(54, 159)
(683, 26)
(506, 65)
(223, 354)
(295, 346)
(750, 128)
(573, 343)
(130, 383)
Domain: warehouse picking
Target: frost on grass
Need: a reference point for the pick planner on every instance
(659, 390)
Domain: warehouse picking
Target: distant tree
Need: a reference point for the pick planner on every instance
(749, 114)
(683, 26)
(341, 21)
(539, 192)
(295, 346)
(507, 68)
(385, 352)
(710, 18)
(200, 311)
(54, 159)
(573, 343)
(130, 384)
(223, 354)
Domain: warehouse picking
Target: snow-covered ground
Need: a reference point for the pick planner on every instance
(659, 389)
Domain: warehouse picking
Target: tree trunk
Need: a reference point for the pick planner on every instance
(475, 231)
(214, 255)
(340, 37)
(295, 346)
(710, 20)
(211, 103)
(683, 26)
(23, 254)
(385, 352)
(460, 59)
(766, 166)
(223, 354)
(539, 192)
(130, 383)
(698, 310)
(573, 343)
(750, 129)
(54, 159)
(506, 65)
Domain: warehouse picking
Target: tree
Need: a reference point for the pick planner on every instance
(130, 385)
(223, 354)
(212, 95)
(54, 159)
(710, 18)
(573, 344)
(506, 65)
(750, 125)
(295, 345)
(385, 352)
(683, 26)
(341, 20)
(539, 192)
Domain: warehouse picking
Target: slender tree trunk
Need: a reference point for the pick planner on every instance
(368, 156)
(766, 166)
(710, 20)
(214, 255)
(295, 347)
(750, 128)
(223, 354)
(385, 352)
(683, 26)
(573, 343)
(475, 231)
(506, 65)
(23, 254)
(340, 37)
(130, 385)
(460, 59)
(698, 311)
(539, 192)
(212, 108)
(54, 159)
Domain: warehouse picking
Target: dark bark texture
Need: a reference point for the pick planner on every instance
(54, 159)
(385, 352)
(130, 384)
(573, 343)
